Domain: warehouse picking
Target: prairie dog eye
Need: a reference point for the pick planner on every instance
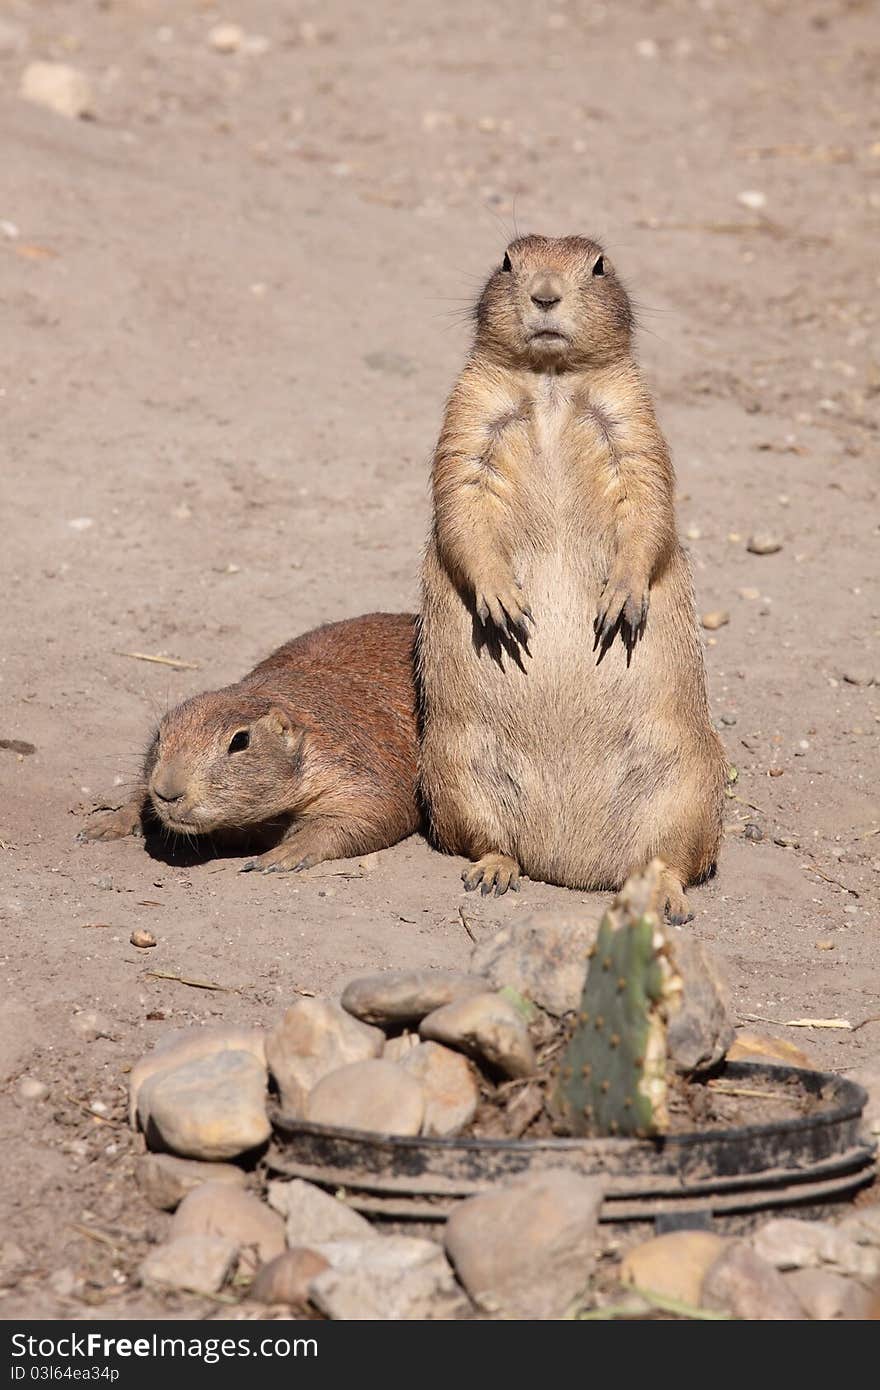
(599, 265)
(239, 741)
(505, 264)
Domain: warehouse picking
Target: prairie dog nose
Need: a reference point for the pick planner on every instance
(169, 783)
(546, 291)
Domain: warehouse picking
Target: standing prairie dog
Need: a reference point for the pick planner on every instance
(320, 736)
(549, 747)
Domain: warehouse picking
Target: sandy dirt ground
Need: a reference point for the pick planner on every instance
(233, 303)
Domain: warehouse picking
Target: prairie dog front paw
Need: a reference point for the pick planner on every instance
(502, 602)
(624, 597)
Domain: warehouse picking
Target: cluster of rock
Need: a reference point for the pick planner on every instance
(403, 1053)
(788, 1268)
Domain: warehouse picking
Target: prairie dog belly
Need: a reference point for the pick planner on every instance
(559, 752)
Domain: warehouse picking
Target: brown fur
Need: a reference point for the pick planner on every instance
(330, 725)
(549, 746)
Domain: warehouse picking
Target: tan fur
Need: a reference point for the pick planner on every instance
(554, 530)
(330, 725)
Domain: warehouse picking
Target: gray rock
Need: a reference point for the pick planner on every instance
(542, 956)
(741, 1283)
(180, 1045)
(313, 1038)
(211, 1108)
(824, 1295)
(488, 1028)
(526, 1250)
(375, 1096)
(788, 1243)
(216, 1209)
(287, 1278)
(448, 1086)
(313, 1217)
(392, 1278)
(59, 87)
(397, 997)
(165, 1180)
(701, 1030)
(197, 1264)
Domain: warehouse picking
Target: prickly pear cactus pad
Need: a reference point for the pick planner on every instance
(613, 1075)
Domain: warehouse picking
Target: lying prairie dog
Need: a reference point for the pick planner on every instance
(322, 734)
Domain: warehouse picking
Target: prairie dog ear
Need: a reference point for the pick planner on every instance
(279, 725)
(276, 722)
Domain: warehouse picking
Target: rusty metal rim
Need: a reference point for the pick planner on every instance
(810, 1157)
(396, 1208)
(850, 1096)
(848, 1166)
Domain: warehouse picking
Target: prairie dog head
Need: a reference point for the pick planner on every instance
(554, 303)
(220, 762)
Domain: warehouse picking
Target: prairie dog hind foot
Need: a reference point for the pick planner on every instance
(493, 873)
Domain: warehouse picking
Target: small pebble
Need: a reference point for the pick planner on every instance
(749, 593)
(787, 841)
(226, 38)
(29, 1088)
(776, 771)
(753, 831)
(63, 89)
(714, 620)
(693, 533)
(763, 543)
(728, 719)
(752, 198)
(142, 938)
(824, 945)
